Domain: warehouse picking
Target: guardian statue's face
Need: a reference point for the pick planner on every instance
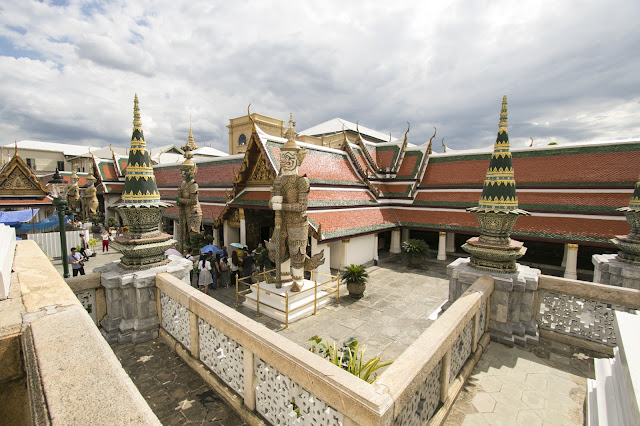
(187, 174)
(288, 161)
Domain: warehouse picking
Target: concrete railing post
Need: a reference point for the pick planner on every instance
(571, 270)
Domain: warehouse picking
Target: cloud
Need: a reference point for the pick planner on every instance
(69, 70)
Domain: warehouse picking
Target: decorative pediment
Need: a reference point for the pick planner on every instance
(261, 174)
(234, 218)
(17, 179)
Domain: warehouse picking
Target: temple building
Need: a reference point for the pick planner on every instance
(369, 195)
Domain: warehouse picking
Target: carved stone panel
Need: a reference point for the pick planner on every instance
(222, 355)
(424, 402)
(282, 401)
(175, 320)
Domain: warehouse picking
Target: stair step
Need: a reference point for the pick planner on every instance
(606, 397)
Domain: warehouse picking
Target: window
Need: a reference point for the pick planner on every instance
(61, 166)
(31, 163)
(242, 140)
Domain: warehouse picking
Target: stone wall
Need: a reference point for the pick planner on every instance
(64, 356)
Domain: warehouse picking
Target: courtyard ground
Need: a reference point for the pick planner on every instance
(536, 385)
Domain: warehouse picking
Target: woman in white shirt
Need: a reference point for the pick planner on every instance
(204, 266)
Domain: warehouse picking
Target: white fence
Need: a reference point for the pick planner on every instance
(7, 248)
(49, 242)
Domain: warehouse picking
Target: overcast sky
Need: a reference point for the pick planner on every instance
(570, 69)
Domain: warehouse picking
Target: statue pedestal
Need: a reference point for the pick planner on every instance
(608, 269)
(132, 314)
(512, 301)
(273, 301)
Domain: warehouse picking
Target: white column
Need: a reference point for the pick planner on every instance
(345, 253)
(564, 257)
(216, 237)
(243, 228)
(175, 229)
(442, 244)
(225, 234)
(451, 242)
(405, 235)
(375, 248)
(571, 270)
(395, 241)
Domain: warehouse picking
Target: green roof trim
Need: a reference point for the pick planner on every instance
(551, 152)
(355, 231)
(341, 203)
(516, 234)
(532, 207)
(338, 182)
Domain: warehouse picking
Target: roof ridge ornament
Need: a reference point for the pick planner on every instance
(253, 123)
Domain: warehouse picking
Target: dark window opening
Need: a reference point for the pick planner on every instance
(242, 140)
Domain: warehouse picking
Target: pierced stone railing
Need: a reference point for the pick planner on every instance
(286, 384)
(582, 313)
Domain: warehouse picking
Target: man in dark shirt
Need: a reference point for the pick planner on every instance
(76, 261)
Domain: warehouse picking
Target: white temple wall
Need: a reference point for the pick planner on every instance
(359, 249)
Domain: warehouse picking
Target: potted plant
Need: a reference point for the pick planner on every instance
(96, 221)
(416, 251)
(356, 278)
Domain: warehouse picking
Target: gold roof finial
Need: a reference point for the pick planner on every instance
(136, 113)
(16, 144)
(191, 144)
(291, 135)
(503, 115)
(531, 144)
(253, 123)
(444, 146)
(407, 132)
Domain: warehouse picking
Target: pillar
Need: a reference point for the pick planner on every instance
(375, 249)
(175, 230)
(345, 253)
(216, 237)
(564, 257)
(405, 235)
(451, 242)
(442, 243)
(395, 241)
(225, 234)
(571, 270)
(243, 228)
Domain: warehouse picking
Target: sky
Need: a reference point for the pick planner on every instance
(570, 69)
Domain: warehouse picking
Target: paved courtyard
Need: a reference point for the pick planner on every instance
(543, 385)
(394, 311)
(175, 392)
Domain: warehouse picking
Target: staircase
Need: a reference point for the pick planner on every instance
(613, 398)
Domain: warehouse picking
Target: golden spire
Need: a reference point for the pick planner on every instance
(136, 113)
(291, 135)
(191, 144)
(503, 115)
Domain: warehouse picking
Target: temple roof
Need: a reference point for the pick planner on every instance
(336, 125)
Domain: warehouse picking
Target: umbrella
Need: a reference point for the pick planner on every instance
(172, 251)
(210, 249)
(237, 245)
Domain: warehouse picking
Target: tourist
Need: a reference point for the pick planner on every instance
(225, 275)
(193, 274)
(76, 260)
(105, 240)
(247, 263)
(84, 247)
(215, 271)
(233, 266)
(224, 252)
(204, 266)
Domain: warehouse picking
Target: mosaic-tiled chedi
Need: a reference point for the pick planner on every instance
(497, 210)
(629, 245)
(143, 246)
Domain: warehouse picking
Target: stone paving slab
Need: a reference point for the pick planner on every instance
(175, 392)
(524, 386)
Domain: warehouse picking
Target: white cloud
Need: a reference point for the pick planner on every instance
(69, 73)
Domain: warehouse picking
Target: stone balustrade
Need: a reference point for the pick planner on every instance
(257, 371)
(90, 293)
(580, 313)
(62, 370)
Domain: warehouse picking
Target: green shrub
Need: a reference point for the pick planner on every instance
(354, 274)
(348, 357)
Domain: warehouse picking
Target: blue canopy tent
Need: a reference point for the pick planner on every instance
(17, 219)
(13, 218)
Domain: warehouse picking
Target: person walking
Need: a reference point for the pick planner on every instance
(105, 240)
(204, 266)
(233, 266)
(215, 271)
(225, 275)
(76, 260)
